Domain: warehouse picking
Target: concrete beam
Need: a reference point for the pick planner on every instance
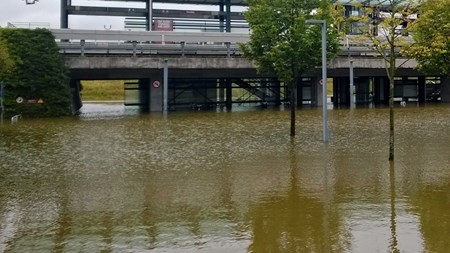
(369, 62)
(196, 62)
(116, 62)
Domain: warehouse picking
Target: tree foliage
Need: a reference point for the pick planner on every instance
(431, 33)
(386, 24)
(6, 63)
(282, 44)
(37, 74)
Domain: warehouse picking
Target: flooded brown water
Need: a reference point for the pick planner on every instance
(226, 182)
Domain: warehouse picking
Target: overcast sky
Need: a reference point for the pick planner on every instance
(48, 11)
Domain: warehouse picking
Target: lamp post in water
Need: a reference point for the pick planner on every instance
(351, 76)
(165, 87)
(323, 23)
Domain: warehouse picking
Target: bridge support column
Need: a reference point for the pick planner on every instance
(229, 93)
(156, 93)
(445, 89)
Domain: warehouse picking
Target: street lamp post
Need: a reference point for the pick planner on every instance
(165, 87)
(323, 23)
(351, 76)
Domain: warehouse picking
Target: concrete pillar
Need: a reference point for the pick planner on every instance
(445, 89)
(156, 93)
(64, 14)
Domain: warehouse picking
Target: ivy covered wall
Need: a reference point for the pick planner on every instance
(37, 85)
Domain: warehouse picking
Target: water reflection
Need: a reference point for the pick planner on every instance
(394, 241)
(295, 220)
(226, 182)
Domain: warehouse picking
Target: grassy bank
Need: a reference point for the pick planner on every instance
(101, 90)
(107, 90)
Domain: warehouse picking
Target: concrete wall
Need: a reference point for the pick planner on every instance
(341, 64)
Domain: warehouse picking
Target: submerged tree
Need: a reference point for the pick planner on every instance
(431, 33)
(282, 44)
(386, 26)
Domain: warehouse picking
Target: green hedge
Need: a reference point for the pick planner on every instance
(38, 77)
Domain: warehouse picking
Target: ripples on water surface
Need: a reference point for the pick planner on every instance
(226, 182)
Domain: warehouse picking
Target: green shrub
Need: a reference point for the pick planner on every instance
(38, 75)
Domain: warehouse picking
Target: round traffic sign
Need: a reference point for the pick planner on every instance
(19, 100)
(156, 84)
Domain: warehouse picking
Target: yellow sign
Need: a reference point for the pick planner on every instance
(40, 101)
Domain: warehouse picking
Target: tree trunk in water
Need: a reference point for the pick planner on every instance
(293, 106)
(391, 118)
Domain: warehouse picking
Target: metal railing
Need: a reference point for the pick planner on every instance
(148, 42)
(92, 42)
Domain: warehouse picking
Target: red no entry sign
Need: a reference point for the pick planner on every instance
(156, 84)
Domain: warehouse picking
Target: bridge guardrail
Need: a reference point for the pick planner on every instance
(75, 41)
(163, 37)
(143, 49)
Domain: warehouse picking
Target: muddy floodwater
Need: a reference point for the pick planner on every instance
(113, 180)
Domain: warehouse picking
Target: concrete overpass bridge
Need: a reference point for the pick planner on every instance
(205, 69)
